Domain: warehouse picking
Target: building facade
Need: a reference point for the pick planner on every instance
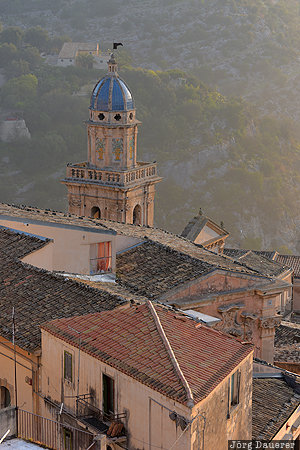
(143, 379)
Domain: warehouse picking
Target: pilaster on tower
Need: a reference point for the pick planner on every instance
(112, 184)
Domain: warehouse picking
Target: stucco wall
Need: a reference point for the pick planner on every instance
(148, 423)
(71, 247)
(124, 242)
(214, 282)
(296, 295)
(25, 373)
(206, 235)
(219, 428)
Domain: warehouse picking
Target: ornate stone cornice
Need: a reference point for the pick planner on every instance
(269, 322)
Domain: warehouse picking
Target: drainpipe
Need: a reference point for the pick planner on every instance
(15, 369)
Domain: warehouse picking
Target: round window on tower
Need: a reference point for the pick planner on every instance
(130, 116)
(118, 117)
(101, 116)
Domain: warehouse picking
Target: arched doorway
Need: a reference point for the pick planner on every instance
(4, 397)
(95, 212)
(137, 215)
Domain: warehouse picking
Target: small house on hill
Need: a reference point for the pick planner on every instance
(71, 50)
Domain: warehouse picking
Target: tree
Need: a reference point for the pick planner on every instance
(37, 37)
(18, 91)
(32, 56)
(12, 35)
(8, 52)
(17, 68)
(85, 61)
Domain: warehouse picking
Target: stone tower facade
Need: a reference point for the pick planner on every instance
(112, 184)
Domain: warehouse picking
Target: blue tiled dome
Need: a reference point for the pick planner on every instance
(111, 94)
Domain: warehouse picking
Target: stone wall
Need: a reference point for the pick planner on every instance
(8, 421)
(247, 313)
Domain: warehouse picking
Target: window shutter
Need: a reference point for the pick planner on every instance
(238, 386)
(228, 398)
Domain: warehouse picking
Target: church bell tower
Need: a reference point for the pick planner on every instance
(112, 184)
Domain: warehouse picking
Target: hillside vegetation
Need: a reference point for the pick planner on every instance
(245, 47)
(216, 152)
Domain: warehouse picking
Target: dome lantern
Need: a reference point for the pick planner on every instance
(112, 65)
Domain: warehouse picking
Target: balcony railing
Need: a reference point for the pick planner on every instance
(88, 412)
(51, 433)
(80, 172)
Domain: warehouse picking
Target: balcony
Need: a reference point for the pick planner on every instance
(111, 424)
(82, 173)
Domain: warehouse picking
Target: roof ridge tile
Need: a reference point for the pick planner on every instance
(159, 327)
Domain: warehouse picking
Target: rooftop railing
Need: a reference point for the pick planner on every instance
(76, 172)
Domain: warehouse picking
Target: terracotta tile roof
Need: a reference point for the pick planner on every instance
(267, 254)
(47, 215)
(273, 401)
(292, 261)
(129, 340)
(263, 265)
(180, 245)
(152, 269)
(17, 244)
(287, 342)
(257, 261)
(38, 295)
(234, 253)
(113, 288)
(165, 238)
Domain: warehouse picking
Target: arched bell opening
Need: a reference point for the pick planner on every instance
(95, 212)
(137, 215)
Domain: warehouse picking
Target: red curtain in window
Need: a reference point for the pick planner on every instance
(104, 256)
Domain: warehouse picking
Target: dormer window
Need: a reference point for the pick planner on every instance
(100, 261)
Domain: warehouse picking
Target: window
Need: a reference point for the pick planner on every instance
(234, 391)
(68, 439)
(68, 372)
(101, 257)
(108, 394)
(4, 397)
